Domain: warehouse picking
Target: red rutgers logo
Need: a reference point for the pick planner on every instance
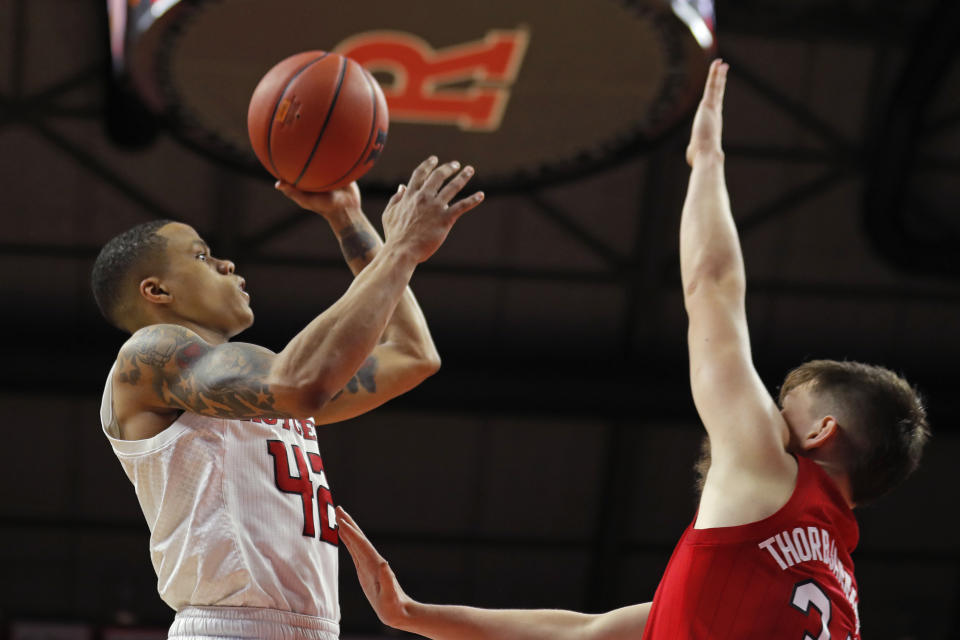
(417, 93)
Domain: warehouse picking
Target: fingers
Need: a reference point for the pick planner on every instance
(298, 196)
(716, 83)
(421, 173)
(357, 544)
(287, 189)
(460, 207)
(430, 178)
(454, 187)
(439, 176)
(395, 198)
(349, 538)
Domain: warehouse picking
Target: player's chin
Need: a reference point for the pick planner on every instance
(247, 318)
(242, 323)
(242, 316)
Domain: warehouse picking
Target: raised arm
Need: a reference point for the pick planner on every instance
(168, 367)
(741, 418)
(453, 622)
(406, 354)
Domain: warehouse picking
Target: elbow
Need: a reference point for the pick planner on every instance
(419, 368)
(426, 366)
(432, 364)
(309, 399)
(308, 396)
(714, 278)
(420, 363)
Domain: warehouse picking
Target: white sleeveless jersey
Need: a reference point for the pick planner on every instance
(240, 512)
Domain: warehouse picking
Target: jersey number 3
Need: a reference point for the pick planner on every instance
(808, 594)
(302, 485)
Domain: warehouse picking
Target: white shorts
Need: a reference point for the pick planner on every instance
(204, 623)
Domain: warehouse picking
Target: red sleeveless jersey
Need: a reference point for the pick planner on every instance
(786, 577)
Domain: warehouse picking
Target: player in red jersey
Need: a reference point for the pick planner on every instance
(768, 553)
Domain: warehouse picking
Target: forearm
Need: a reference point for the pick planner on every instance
(451, 622)
(359, 240)
(322, 358)
(709, 246)
(407, 328)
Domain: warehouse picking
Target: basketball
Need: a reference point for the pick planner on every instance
(317, 120)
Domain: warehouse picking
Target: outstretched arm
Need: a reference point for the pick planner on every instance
(452, 622)
(406, 354)
(168, 367)
(741, 418)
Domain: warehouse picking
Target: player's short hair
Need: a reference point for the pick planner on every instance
(886, 421)
(131, 250)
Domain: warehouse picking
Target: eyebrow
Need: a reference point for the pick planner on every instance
(203, 244)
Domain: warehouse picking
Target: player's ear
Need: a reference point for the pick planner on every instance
(822, 432)
(152, 290)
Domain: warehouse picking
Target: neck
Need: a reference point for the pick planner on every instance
(210, 335)
(839, 477)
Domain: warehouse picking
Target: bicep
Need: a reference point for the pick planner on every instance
(174, 368)
(734, 405)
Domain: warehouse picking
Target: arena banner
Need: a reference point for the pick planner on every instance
(527, 91)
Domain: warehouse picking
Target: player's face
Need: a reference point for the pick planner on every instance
(204, 289)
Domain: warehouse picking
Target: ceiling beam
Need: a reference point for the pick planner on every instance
(565, 223)
(148, 206)
(832, 137)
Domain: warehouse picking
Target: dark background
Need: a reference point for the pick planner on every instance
(548, 464)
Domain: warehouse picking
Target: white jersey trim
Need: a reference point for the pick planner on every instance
(111, 427)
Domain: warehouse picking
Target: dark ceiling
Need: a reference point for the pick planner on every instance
(844, 202)
(842, 123)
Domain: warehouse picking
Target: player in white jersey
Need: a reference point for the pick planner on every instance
(219, 438)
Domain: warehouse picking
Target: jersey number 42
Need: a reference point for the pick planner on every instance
(302, 485)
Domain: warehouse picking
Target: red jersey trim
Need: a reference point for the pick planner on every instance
(809, 474)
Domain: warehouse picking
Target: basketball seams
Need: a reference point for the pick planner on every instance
(276, 106)
(373, 129)
(326, 121)
(318, 107)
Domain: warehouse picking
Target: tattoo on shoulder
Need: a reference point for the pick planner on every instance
(366, 378)
(357, 243)
(187, 373)
(153, 349)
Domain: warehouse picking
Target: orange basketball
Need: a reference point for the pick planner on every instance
(317, 120)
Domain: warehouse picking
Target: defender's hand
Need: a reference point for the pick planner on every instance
(376, 577)
(419, 216)
(332, 205)
(708, 123)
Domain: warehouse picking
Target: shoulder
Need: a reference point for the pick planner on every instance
(158, 344)
(147, 363)
(162, 344)
(154, 354)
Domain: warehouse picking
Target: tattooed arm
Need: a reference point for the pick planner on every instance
(406, 354)
(163, 369)
(168, 367)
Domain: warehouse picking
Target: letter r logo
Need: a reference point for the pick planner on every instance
(418, 94)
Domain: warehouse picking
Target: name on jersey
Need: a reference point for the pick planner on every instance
(305, 428)
(810, 544)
